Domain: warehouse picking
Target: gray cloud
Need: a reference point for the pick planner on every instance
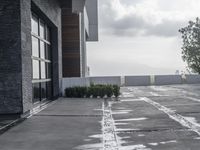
(133, 24)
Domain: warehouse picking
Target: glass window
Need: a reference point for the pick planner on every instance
(36, 92)
(49, 90)
(36, 69)
(41, 61)
(35, 47)
(34, 24)
(43, 70)
(42, 50)
(48, 34)
(42, 29)
(43, 90)
(48, 52)
(48, 70)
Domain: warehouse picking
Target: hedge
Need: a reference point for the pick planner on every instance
(93, 91)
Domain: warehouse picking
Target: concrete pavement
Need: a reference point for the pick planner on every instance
(146, 118)
(66, 125)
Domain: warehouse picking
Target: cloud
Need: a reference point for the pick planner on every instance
(142, 17)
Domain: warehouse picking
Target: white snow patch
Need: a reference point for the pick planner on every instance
(121, 111)
(110, 141)
(141, 135)
(87, 140)
(167, 142)
(131, 119)
(127, 94)
(130, 100)
(154, 94)
(121, 123)
(159, 88)
(193, 120)
(125, 130)
(98, 136)
(118, 112)
(135, 147)
(153, 144)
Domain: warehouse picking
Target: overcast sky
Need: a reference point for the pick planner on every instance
(138, 37)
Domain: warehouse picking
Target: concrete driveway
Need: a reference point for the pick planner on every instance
(146, 118)
(157, 118)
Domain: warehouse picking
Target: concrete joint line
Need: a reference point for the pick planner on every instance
(175, 116)
(110, 141)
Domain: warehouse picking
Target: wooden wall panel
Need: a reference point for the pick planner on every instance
(70, 43)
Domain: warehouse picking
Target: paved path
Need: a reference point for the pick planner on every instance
(66, 125)
(146, 118)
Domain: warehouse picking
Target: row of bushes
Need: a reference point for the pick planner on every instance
(93, 91)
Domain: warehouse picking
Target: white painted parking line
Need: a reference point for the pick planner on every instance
(193, 99)
(184, 121)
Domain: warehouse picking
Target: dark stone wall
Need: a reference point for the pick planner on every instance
(10, 57)
(15, 51)
(26, 55)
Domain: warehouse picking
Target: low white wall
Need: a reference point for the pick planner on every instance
(137, 80)
(167, 79)
(192, 79)
(115, 80)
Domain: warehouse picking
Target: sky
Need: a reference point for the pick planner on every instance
(140, 37)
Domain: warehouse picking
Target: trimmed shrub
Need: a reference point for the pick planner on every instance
(116, 90)
(94, 91)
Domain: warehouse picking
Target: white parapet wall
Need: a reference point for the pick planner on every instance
(167, 79)
(113, 80)
(192, 79)
(137, 80)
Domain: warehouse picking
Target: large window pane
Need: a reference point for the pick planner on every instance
(48, 70)
(34, 24)
(48, 52)
(35, 47)
(49, 90)
(43, 90)
(42, 50)
(42, 30)
(36, 69)
(43, 70)
(36, 92)
(48, 34)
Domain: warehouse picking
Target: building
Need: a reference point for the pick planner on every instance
(41, 42)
